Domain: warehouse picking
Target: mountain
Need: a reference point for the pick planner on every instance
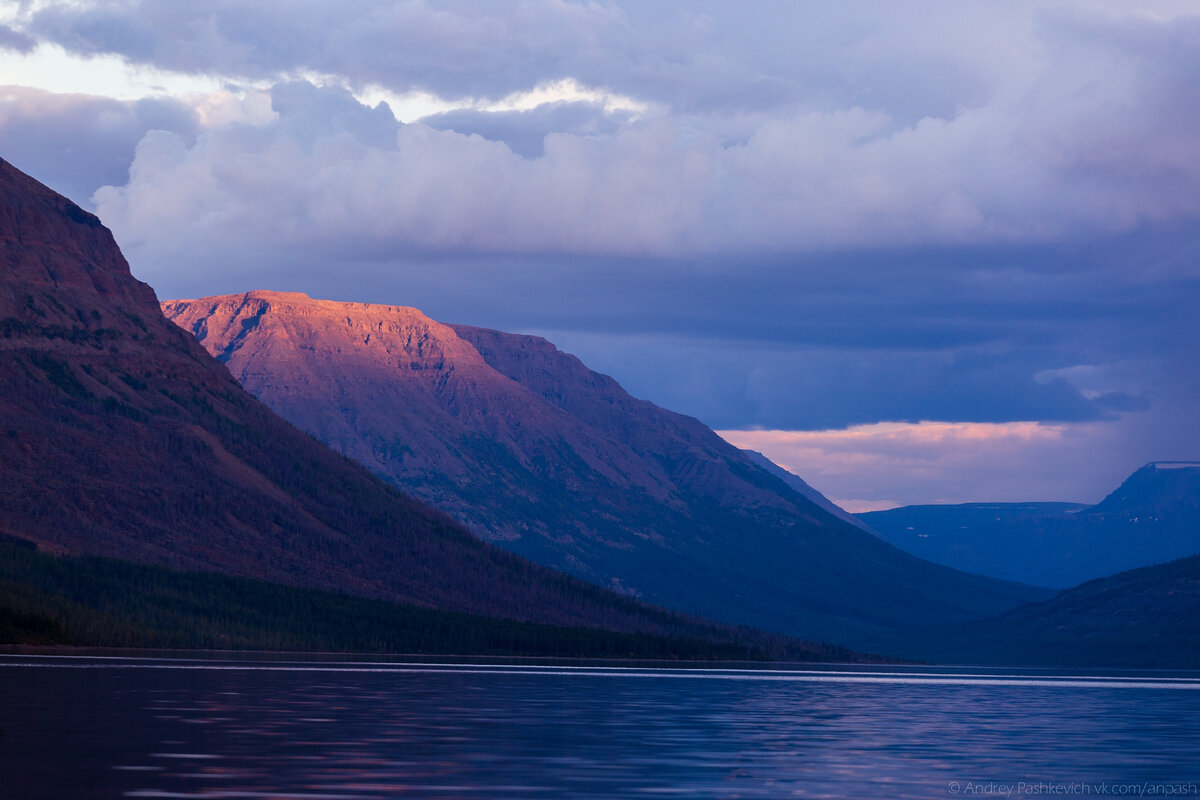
(1143, 618)
(1153, 517)
(532, 450)
(1159, 491)
(801, 487)
(120, 436)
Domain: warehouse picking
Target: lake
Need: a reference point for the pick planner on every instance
(286, 726)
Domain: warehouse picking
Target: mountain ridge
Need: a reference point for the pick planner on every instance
(560, 464)
(803, 488)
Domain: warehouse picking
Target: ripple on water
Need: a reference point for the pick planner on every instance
(378, 730)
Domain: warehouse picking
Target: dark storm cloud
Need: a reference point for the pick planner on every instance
(852, 340)
(741, 385)
(877, 340)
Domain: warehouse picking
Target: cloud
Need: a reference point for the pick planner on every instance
(868, 467)
(778, 384)
(15, 40)
(655, 187)
(697, 251)
(525, 131)
(789, 129)
(78, 143)
(331, 175)
(917, 60)
(460, 49)
(786, 216)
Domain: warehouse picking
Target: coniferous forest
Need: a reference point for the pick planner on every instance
(95, 601)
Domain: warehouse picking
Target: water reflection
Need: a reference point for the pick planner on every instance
(176, 729)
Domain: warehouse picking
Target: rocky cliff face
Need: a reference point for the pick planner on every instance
(121, 436)
(533, 450)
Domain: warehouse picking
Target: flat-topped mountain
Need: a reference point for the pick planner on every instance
(1151, 518)
(533, 450)
(121, 436)
(1159, 490)
(410, 398)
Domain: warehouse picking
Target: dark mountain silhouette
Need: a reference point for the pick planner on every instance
(1153, 517)
(1145, 618)
(121, 436)
(533, 450)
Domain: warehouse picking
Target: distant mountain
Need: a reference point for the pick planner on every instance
(1153, 517)
(1159, 491)
(533, 450)
(1041, 543)
(1145, 618)
(121, 437)
(802, 488)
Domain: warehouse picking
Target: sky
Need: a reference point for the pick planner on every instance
(915, 252)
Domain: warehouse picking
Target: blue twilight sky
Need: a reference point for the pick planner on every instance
(917, 252)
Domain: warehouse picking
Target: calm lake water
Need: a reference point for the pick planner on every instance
(88, 727)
